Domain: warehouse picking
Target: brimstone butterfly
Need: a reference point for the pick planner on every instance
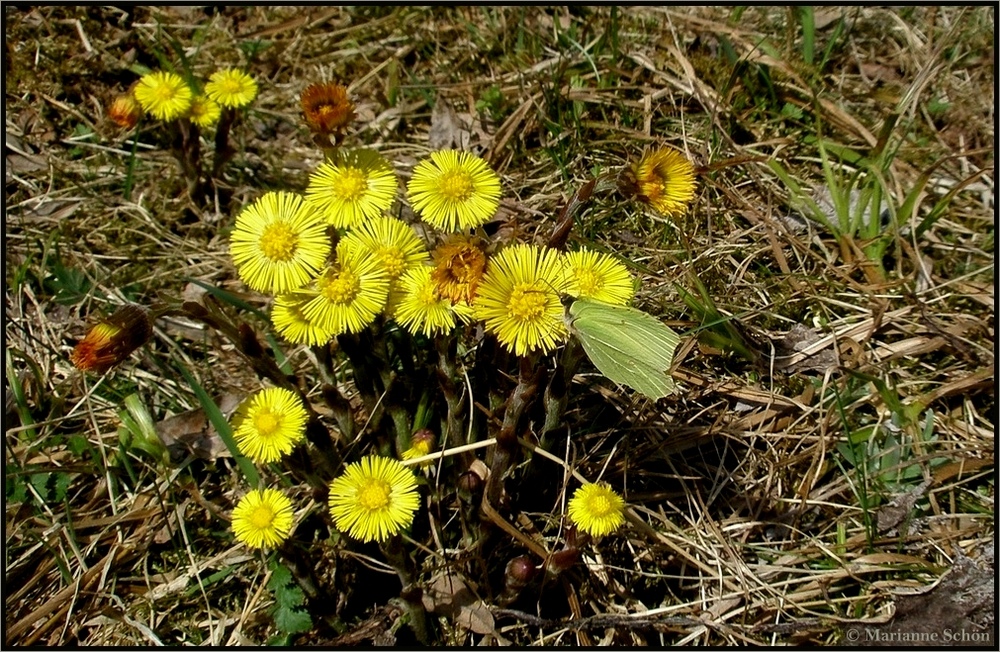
(626, 345)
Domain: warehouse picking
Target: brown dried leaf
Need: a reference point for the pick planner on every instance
(192, 432)
(447, 595)
(448, 130)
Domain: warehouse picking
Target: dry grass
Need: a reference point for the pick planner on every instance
(756, 516)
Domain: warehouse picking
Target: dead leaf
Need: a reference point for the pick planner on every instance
(799, 339)
(447, 595)
(192, 433)
(960, 609)
(448, 130)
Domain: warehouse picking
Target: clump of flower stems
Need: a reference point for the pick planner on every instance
(445, 356)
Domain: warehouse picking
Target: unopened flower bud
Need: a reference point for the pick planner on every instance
(520, 571)
(125, 111)
(113, 339)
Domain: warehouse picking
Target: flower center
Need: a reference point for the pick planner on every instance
(165, 92)
(278, 243)
(262, 517)
(393, 260)
(350, 184)
(599, 506)
(427, 295)
(342, 288)
(526, 303)
(231, 86)
(589, 282)
(456, 185)
(266, 424)
(374, 495)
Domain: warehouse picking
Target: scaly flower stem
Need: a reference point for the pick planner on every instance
(398, 558)
(223, 151)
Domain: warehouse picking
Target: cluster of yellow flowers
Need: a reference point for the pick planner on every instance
(167, 96)
(372, 500)
(335, 259)
(280, 245)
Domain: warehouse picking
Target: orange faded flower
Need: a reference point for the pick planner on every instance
(113, 339)
(458, 268)
(125, 111)
(327, 108)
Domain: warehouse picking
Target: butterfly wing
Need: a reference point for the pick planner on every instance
(627, 345)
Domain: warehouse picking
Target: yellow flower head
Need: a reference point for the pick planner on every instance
(263, 517)
(421, 309)
(454, 190)
(327, 108)
(204, 111)
(291, 322)
(125, 111)
(347, 296)
(392, 241)
(269, 424)
(664, 179)
(458, 268)
(597, 276)
(163, 94)
(596, 509)
(353, 187)
(374, 499)
(518, 300)
(231, 88)
(278, 243)
(113, 339)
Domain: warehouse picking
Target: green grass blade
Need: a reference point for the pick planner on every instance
(221, 425)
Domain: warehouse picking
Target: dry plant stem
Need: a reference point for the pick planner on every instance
(401, 561)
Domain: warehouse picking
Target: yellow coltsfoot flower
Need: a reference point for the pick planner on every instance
(263, 517)
(374, 499)
(453, 190)
(596, 509)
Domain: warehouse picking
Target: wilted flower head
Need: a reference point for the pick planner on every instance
(113, 339)
(327, 108)
(458, 268)
(596, 509)
(125, 111)
(231, 88)
(163, 94)
(664, 179)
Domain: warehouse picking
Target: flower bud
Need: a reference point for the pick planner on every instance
(113, 339)
(125, 111)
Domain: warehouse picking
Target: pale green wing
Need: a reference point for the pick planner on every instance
(626, 345)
